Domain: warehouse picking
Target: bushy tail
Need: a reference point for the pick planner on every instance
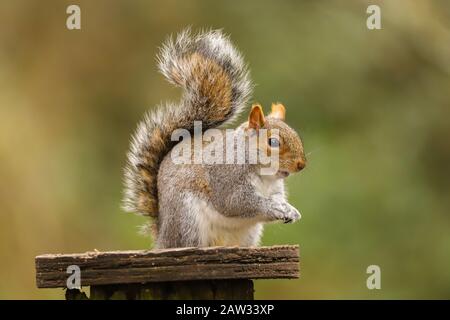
(216, 87)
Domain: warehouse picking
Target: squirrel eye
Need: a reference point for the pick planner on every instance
(274, 143)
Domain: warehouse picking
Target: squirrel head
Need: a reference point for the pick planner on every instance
(280, 136)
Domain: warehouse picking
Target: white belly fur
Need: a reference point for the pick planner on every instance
(216, 229)
(268, 187)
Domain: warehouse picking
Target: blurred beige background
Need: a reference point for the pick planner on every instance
(371, 106)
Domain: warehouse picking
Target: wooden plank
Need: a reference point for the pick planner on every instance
(178, 264)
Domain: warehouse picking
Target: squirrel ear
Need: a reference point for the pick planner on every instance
(278, 111)
(256, 118)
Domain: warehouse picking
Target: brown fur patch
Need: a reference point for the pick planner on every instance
(214, 84)
(147, 204)
(201, 185)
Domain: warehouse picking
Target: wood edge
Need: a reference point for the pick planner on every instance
(93, 254)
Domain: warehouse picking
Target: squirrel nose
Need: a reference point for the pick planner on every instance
(300, 165)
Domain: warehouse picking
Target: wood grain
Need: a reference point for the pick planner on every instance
(180, 264)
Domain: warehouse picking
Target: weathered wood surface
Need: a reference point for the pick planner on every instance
(234, 289)
(180, 264)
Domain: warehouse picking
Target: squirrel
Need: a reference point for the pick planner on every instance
(199, 205)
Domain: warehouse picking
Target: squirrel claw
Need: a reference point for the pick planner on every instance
(287, 220)
(287, 213)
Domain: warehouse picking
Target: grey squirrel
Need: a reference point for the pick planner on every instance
(197, 205)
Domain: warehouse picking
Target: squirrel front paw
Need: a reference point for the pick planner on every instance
(285, 212)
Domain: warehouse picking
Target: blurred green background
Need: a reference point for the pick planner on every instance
(371, 106)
